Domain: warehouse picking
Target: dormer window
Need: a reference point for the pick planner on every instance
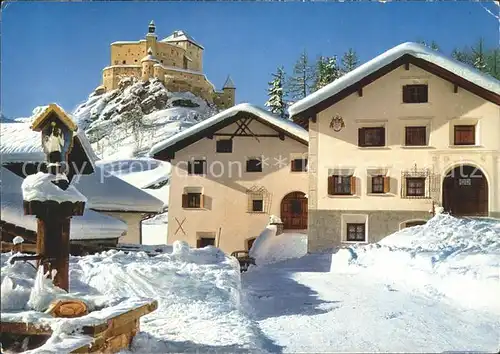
(415, 94)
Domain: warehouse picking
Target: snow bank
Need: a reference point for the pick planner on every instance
(40, 187)
(269, 248)
(457, 258)
(198, 291)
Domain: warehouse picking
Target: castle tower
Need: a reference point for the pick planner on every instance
(148, 63)
(151, 27)
(151, 37)
(229, 90)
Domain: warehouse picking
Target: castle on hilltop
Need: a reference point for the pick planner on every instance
(177, 61)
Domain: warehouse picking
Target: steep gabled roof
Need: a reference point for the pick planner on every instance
(92, 225)
(179, 36)
(225, 118)
(21, 144)
(461, 74)
(229, 83)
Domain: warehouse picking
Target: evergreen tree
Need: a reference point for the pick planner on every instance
(462, 55)
(433, 45)
(302, 81)
(479, 57)
(493, 63)
(349, 61)
(276, 102)
(327, 71)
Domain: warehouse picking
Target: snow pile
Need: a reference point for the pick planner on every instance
(270, 248)
(40, 187)
(198, 291)
(126, 122)
(457, 258)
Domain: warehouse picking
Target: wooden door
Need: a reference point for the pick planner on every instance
(465, 192)
(294, 211)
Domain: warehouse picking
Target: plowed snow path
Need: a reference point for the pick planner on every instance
(318, 311)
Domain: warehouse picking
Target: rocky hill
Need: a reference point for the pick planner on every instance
(126, 122)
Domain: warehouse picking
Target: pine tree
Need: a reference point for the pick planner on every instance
(433, 45)
(301, 82)
(479, 57)
(276, 102)
(349, 61)
(493, 63)
(327, 71)
(462, 55)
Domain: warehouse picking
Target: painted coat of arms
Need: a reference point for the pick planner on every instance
(337, 123)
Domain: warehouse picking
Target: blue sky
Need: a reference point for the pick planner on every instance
(54, 52)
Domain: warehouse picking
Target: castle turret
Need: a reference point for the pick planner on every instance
(148, 63)
(151, 37)
(151, 27)
(229, 90)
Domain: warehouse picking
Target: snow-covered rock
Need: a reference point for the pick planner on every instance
(126, 122)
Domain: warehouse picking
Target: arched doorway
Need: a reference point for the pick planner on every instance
(465, 191)
(294, 211)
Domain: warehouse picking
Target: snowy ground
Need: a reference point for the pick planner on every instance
(432, 288)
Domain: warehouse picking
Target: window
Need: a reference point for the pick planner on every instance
(341, 185)
(465, 134)
(124, 62)
(225, 145)
(254, 165)
(299, 165)
(205, 241)
(371, 136)
(415, 93)
(192, 200)
(257, 205)
(356, 232)
(380, 184)
(414, 223)
(415, 187)
(415, 136)
(197, 167)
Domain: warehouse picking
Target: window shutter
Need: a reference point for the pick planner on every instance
(387, 184)
(331, 188)
(361, 137)
(382, 136)
(403, 187)
(198, 243)
(202, 200)
(184, 200)
(353, 185)
(190, 168)
(293, 165)
(406, 96)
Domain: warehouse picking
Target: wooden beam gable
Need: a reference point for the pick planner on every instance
(242, 119)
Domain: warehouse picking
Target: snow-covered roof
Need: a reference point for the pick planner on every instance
(286, 126)
(92, 225)
(179, 36)
(150, 56)
(21, 144)
(105, 191)
(229, 83)
(416, 50)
